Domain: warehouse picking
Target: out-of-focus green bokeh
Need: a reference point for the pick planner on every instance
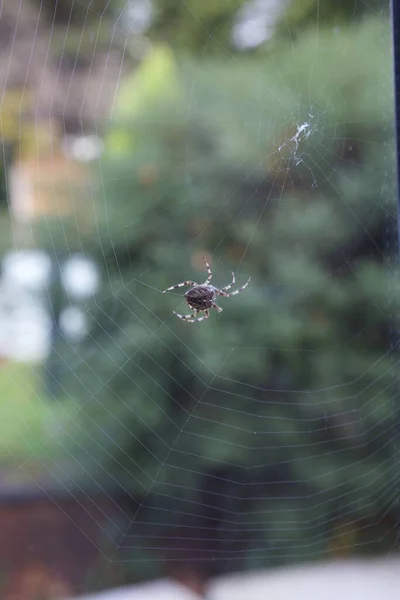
(256, 438)
(272, 419)
(28, 423)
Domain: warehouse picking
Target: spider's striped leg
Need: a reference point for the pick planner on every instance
(239, 290)
(228, 287)
(218, 308)
(207, 281)
(204, 317)
(193, 318)
(178, 285)
(186, 317)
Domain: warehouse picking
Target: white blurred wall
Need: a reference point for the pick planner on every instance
(350, 580)
(338, 580)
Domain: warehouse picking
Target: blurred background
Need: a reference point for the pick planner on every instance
(256, 453)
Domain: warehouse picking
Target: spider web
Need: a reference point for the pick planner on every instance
(275, 487)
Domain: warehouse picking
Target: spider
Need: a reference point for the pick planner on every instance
(202, 297)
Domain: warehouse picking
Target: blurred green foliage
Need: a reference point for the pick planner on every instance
(199, 26)
(301, 14)
(29, 424)
(261, 429)
(205, 26)
(196, 25)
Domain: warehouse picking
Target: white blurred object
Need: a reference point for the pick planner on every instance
(25, 325)
(73, 323)
(83, 148)
(137, 16)
(339, 580)
(30, 269)
(162, 589)
(256, 22)
(80, 277)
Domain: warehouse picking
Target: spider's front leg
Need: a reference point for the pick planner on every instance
(178, 285)
(228, 287)
(207, 281)
(222, 293)
(217, 308)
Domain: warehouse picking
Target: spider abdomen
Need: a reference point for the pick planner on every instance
(200, 297)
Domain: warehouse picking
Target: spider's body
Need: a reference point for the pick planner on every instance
(202, 297)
